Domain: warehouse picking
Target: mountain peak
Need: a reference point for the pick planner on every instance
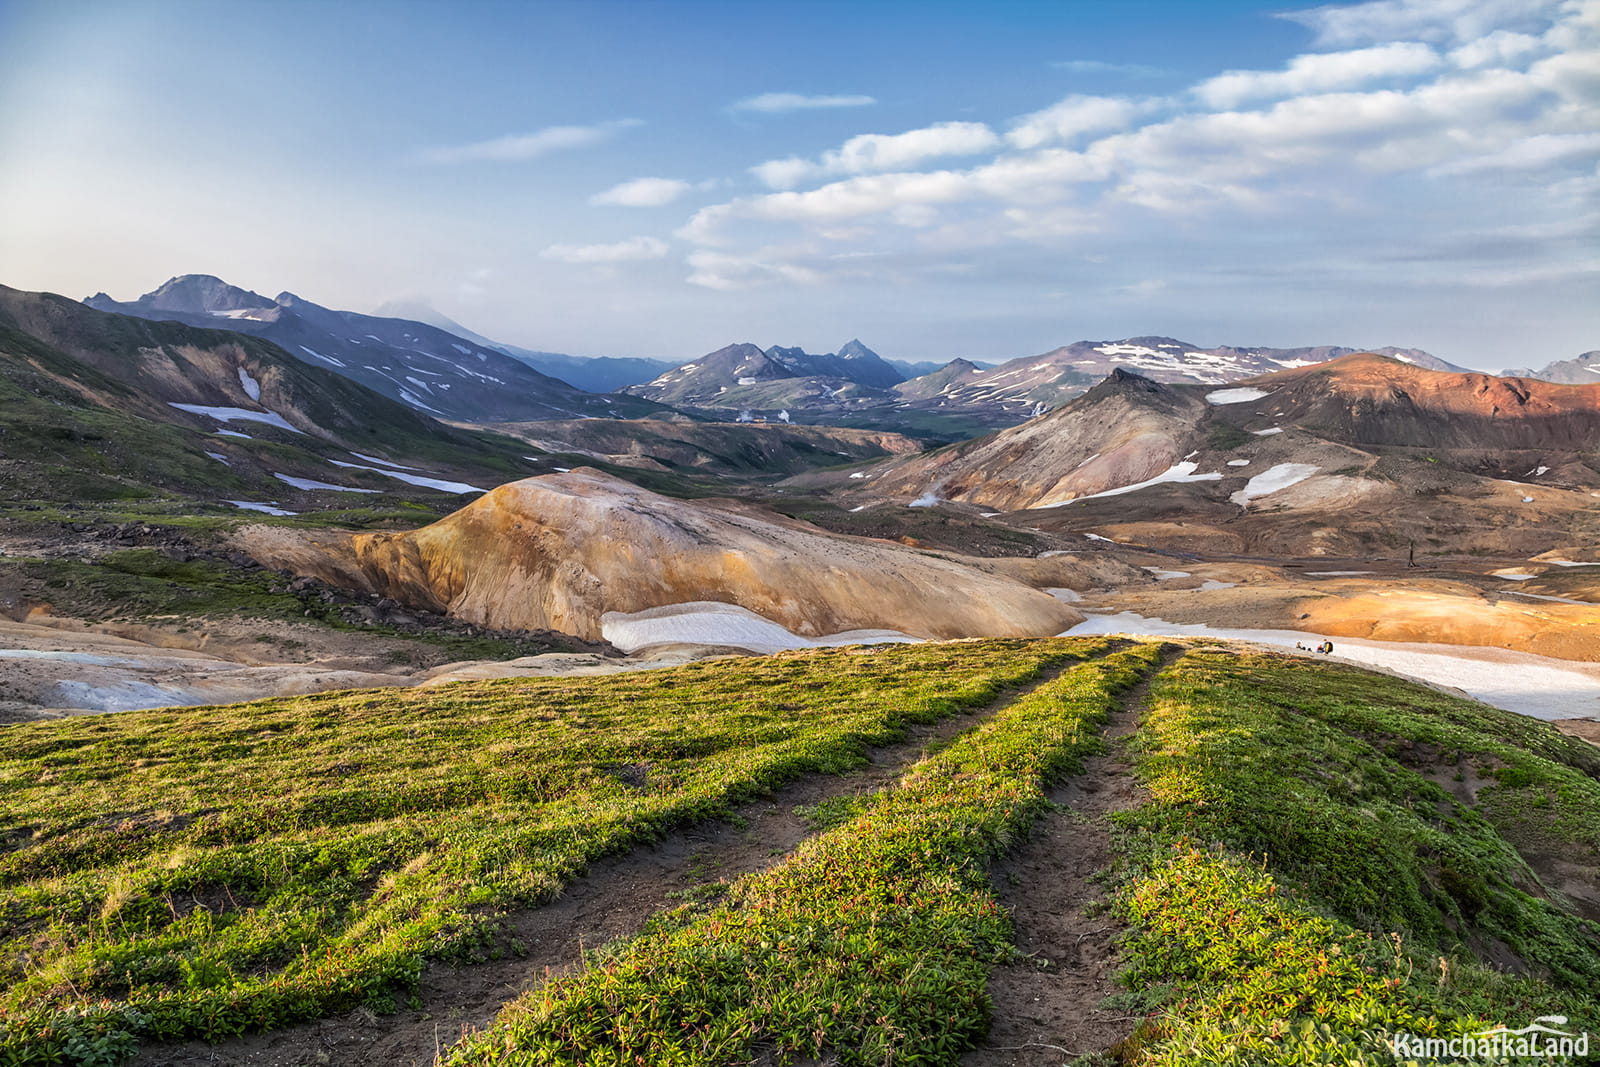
(201, 293)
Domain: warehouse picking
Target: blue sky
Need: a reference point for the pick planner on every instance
(940, 179)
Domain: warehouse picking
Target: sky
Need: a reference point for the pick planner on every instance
(939, 178)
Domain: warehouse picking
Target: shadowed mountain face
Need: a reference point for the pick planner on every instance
(417, 364)
(103, 406)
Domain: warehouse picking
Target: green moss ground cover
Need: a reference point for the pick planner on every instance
(1302, 886)
(873, 943)
(206, 871)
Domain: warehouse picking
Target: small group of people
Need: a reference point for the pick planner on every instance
(1324, 648)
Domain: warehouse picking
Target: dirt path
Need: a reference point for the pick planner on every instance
(612, 899)
(1048, 1005)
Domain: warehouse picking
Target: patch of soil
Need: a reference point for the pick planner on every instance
(612, 899)
(1048, 1004)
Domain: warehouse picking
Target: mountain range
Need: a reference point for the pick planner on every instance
(858, 387)
(421, 365)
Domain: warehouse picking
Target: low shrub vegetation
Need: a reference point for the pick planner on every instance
(1302, 887)
(873, 943)
(208, 871)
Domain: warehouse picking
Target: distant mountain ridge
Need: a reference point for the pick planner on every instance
(857, 387)
(418, 364)
(597, 374)
(1580, 370)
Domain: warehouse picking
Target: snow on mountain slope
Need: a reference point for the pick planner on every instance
(415, 363)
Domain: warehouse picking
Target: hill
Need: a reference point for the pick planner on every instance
(1298, 862)
(581, 552)
(103, 406)
(413, 362)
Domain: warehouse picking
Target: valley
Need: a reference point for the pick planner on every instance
(338, 726)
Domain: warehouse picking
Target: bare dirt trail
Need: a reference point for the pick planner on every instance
(1048, 1003)
(612, 899)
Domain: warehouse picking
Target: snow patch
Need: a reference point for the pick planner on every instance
(271, 418)
(1164, 576)
(318, 355)
(308, 483)
(711, 623)
(1536, 686)
(1236, 396)
(1268, 432)
(1178, 472)
(1238, 463)
(859, 474)
(388, 463)
(1211, 583)
(220, 458)
(252, 388)
(1271, 480)
(1071, 596)
(234, 433)
(250, 505)
(412, 479)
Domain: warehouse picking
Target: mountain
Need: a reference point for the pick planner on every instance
(596, 374)
(415, 363)
(1032, 385)
(103, 406)
(1341, 456)
(724, 379)
(1581, 370)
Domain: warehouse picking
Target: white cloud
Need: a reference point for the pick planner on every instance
(774, 103)
(1319, 74)
(526, 145)
(1420, 20)
(642, 192)
(1073, 116)
(1529, 153)
(636, 248)
(718, 270)
(870, 152)
(1500, 47)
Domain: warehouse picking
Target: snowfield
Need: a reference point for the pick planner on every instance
(1271, 480)
(1236, 396)
(1537, 686)
(708, 622)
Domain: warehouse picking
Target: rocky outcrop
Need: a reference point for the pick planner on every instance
(560, 551)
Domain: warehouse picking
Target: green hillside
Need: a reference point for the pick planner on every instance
(1323, 857)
